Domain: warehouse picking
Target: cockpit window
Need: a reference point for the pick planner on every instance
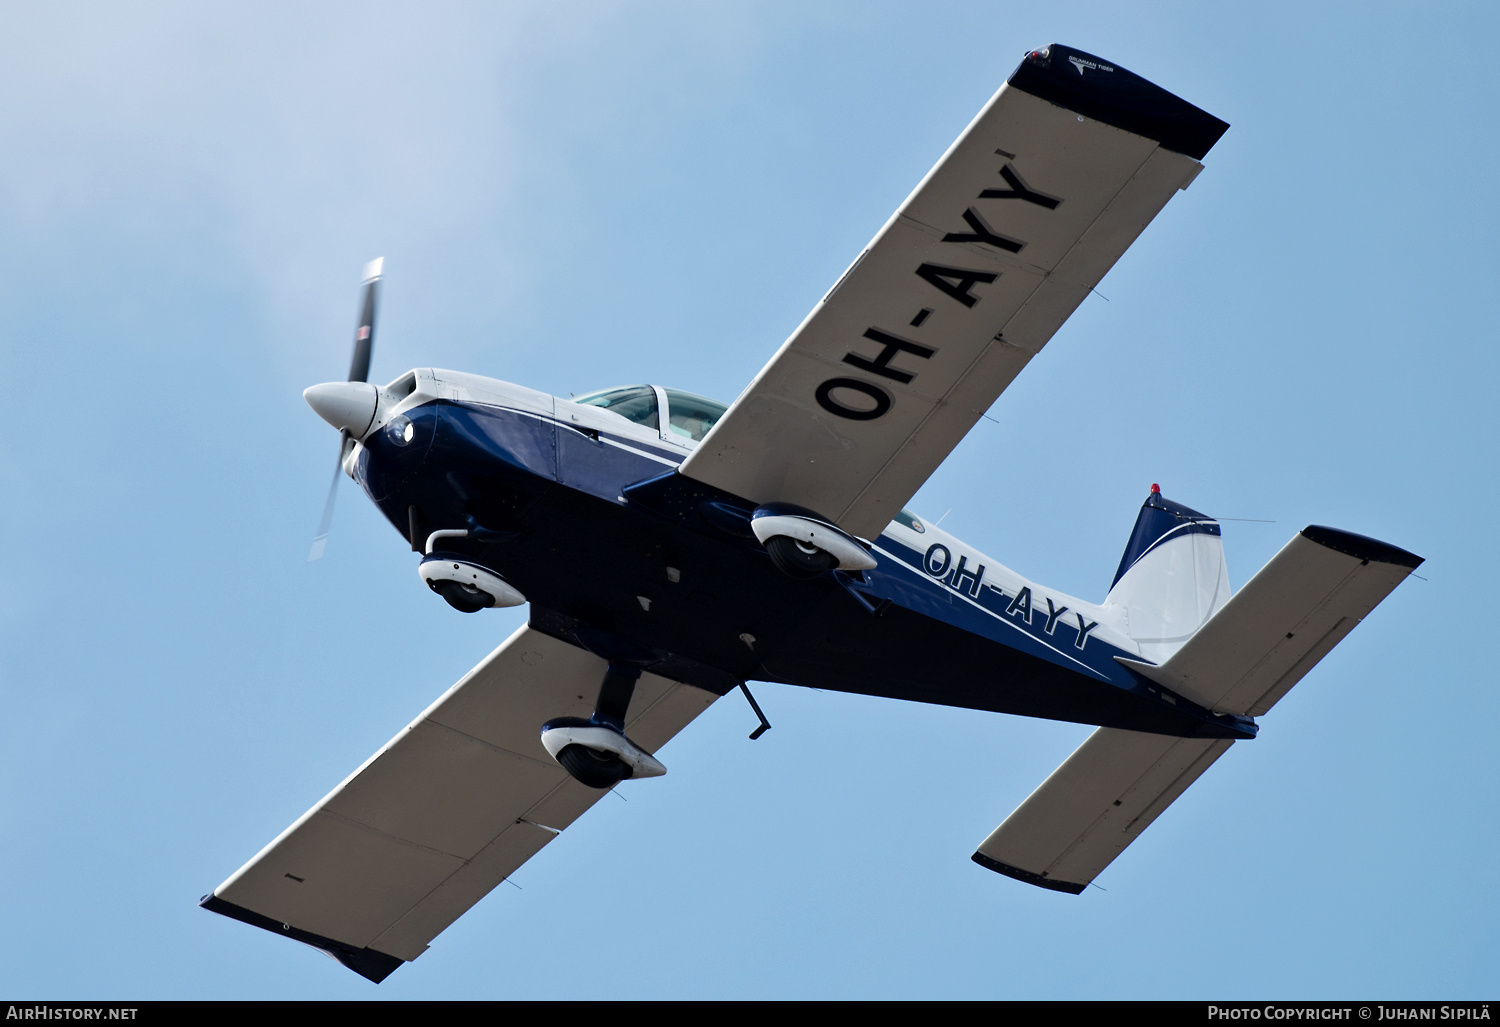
(691, 415)
(636, 403)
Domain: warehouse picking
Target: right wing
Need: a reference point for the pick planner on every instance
(1249, 654)
(444, 812)
(966, 282)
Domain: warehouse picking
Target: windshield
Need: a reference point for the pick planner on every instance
(635, 403)
(691, 415)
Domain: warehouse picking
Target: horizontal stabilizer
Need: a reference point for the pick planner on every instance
(1285, 619)
(1248, 655)
(1094, 805)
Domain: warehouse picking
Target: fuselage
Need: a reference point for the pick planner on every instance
(583, 512)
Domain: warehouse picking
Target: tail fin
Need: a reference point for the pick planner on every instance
(1172, 577)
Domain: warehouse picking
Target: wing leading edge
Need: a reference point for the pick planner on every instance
(968, 280)
(444, 812)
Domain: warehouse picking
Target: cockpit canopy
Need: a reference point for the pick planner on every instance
(688, 415)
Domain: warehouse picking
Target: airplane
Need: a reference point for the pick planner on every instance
(673, 549)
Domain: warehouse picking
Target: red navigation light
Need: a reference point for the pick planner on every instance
(1155, 489)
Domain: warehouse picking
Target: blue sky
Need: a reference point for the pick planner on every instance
(577, 196)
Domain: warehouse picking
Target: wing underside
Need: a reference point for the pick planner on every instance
(444, 812)
(969, 279)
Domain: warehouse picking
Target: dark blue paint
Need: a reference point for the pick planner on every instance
(582, 527)
(1160, 518)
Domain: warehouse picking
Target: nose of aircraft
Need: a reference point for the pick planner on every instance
(349, 406)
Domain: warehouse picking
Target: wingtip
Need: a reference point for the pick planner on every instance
(1361, 546)
(374, 270)
(990, 863)
(370, 964)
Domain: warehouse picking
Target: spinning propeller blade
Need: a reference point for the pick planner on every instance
(359, 371)
(364, 335)
(321, 539)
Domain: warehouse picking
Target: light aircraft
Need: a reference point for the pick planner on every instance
(672, 549)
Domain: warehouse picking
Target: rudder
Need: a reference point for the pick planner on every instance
(1172, 577)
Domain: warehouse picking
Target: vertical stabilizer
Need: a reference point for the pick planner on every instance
(1172, 577)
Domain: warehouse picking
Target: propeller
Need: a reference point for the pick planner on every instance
(359, 371)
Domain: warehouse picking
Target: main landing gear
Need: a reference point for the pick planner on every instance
(803, 544)
(595, 751)
(798, 559)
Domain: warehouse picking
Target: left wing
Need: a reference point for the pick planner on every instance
(444, 812)
(1022, 216)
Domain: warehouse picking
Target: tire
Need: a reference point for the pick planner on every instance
(798, 559)
(592, 767)
(463, 598)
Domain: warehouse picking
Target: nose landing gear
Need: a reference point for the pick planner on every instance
(466, 585)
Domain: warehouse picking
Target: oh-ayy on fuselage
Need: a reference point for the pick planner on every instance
(579, 507)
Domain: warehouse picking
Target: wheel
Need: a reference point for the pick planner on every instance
(463, 598)
(592, 767)
(798, 559)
